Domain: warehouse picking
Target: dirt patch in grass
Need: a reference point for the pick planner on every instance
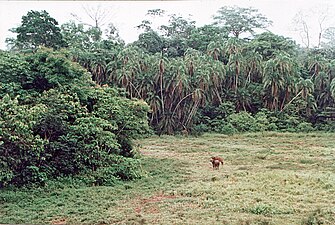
(61, 221)
(148, 205)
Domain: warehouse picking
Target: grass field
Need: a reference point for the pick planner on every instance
(267, 178)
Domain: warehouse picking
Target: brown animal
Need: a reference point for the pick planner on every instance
(216, 164)
(216, 160)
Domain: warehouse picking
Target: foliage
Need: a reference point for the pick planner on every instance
(237, 20)
(151, 41)
(262, 209)
(305, 127)
(243, 122)
(186, 74)
(201, 37)
(128, 117)
(288, 122)
(267, 44)
(170, 38)
(71, 128)
(327, 126)
(81, 38)
(178, 69)
(37, 29)
(265, 122)
(50, 69)
(21, 150)
(13, 72)
(225, 128)
(123, 169)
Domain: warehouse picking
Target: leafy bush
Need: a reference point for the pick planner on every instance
(243, 122)
(212, 118)
(265, 122)
(225, 109)
(287, 122)
(226, 128)
(199, 129)
(68, 127)
(328, 126)
(305, 127)
(13, 70)
(49, 69)
(124, 169)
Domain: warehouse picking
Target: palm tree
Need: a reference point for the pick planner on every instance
(217, 75)
(274, 81)
(280, 74)
(215, 49)
(233, 51)
(254, 67)
(129, 69)
(322, 85)
(307, 87)
(316, 63)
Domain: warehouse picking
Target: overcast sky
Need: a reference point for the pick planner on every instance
(127, 14)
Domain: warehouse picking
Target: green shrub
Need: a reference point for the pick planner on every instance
(6, 174)
(199, 129)
(124, 169)
(265, 122)
(67, 127)
(224, 109)
(243, 122)
(226, 128)
(20, 148)
(104, 176)
(32, 174)
(212, 118)
(328, 126)
(305, 127)
(287, 122)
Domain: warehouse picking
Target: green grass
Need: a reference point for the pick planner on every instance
(267, 178)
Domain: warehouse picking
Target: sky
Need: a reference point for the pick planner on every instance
(125, 15)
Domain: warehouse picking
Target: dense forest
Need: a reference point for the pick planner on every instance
(73, 97)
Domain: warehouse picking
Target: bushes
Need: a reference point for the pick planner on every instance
(263, 120)
(305, 127)
(226, 128)
(20, 148)
(67, 127)
(63, 138)
(243, 122)
(122, 169)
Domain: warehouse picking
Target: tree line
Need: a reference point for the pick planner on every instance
(185, 72)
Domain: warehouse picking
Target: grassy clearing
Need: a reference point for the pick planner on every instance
(267, 178)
